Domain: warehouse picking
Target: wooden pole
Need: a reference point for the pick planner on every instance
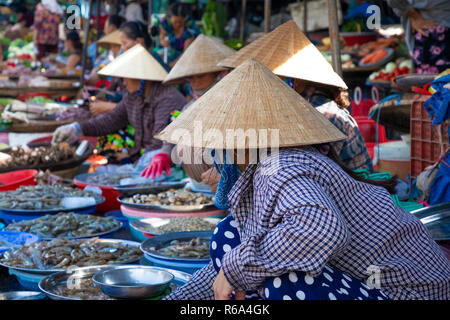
(242, 28)
(150, 11)
(86, 40)
(305, 17)
(267, 14)
(334, 36)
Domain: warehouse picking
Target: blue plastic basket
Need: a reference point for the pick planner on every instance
(29, 281)
(10, 218)
(18, 238)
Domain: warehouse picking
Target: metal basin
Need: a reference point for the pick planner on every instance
(22, 295)
(133, 282)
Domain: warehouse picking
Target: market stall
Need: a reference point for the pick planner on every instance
(78, 206)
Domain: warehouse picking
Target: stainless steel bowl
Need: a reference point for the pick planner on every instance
(22, 295)
(133, 282)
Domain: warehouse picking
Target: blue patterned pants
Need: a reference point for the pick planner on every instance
(331, 284)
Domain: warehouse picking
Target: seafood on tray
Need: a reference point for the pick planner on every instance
(42, 197)
(67, 225)
(54, 153)
(175, 197)
(84, 290)
(178, 224)
(107, 179)
(64, 253)
(196, 248)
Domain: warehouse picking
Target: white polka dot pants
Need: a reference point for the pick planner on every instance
(331, 284)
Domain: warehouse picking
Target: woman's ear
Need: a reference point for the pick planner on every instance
(140, 41)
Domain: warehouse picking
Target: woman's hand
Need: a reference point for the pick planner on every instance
(211, 178)
(419, 23)
(100, 107)
(223, 289)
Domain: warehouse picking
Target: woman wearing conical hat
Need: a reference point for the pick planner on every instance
(147, 105)
(198, 67)
(287, 52)
(300, 227)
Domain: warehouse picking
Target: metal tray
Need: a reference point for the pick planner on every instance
(407, 81)
(143, 225)
(82, 178)
(90, 236)
(380, 63)
(48, 284)
(99, 200)
(151, 245)
(50, 271)
(156, 187)
(55, 166)
(437, 220)
(154, 207)
(22, 295)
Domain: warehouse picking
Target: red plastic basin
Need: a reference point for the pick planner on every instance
(352, 38)
(108, 192)
(14, 179)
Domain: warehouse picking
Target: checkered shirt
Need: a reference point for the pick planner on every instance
(298, 211)
(352, 151)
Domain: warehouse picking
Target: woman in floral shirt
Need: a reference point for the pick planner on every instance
(46, 21)
(177, 32)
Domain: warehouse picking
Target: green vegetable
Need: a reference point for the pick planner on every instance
(214, 20)
(407, 63)
(235, 44)
(389, 67)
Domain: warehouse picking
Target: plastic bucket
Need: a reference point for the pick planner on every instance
(393, 157)
(13, 180)
(108, 192)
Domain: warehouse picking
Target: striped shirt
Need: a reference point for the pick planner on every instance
(298, 210)
(352, 151)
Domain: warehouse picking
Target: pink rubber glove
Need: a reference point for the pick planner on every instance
(160, 162)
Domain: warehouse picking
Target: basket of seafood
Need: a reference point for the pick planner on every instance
(175, 200)
(55, 157)
(77, 284)
(184, 251)
(46, 257)
(45, 199)
(68, 225)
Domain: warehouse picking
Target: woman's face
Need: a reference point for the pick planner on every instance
(115, 49)
(177, 22)
(202, 81)
(109, 28)
(68, 45)
(131, 84)
(127, 43)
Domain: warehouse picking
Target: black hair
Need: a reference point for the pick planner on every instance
(135, 30)
(75, 38)
(116, 20)
(180, 10)
(389, 184)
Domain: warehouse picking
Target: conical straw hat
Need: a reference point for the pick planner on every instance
(112, 38)
(200, 57)
(135, 63)
(253, 100)
(287, 52)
